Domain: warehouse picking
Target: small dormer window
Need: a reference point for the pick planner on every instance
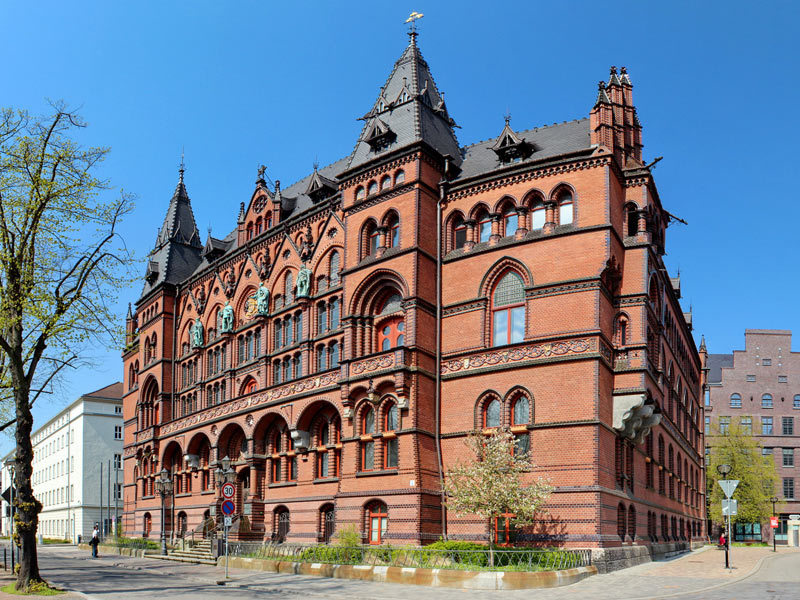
(404, 96)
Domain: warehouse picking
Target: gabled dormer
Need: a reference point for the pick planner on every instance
(320, 187)
(509, 147)
(214, 248)
(259, 215)
(379, 135)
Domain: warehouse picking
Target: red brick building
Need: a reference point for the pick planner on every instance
(758, 388)
(313, 347)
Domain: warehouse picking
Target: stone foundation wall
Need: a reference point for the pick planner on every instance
(613, 559)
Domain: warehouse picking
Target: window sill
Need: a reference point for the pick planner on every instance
(206, 492)
(392, 471)
(184, 495)
(282, 484)
(326, 480)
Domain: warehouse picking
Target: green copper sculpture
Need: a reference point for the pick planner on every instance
(196, 332)
(262, 300)
(303, 282)
(226, 318)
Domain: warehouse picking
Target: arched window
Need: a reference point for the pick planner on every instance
(377, 522)
(249, 231)
(565, 212)
(359, 193)
(491, 414)
(621, 521)
(766, 401)
(334, 310)
(484, 226)
(622, 330)
(288, 288)
(276, 372)
(333, 355)
(369, 239)
(327, 522)
(322, 318)
(249, 387)
(147, 526)
(386, 182)
(372, 188)
(538, 216)
(391, 332)
(268, 220)
(736, 401)
(521, 411)
(510, 220)
(393, 232)
(632, 219)
(368, 446)
(282, 520)
(298, 366)
(287, 369)
(632, 523)
(322, 358)
(391, 421)
(334, 267)
(459, 232)
(508, 310)
(399, 177)
(258, 225)
(298, 326)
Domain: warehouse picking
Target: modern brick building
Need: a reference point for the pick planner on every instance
(759, 387)
(339, 356)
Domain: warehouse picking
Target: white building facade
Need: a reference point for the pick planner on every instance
(77, 467)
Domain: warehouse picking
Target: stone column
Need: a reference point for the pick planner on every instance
(523, 226)
(495, 237)
(550, 217)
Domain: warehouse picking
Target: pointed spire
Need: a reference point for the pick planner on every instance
(130, 312)
(241, 213)
(182, 168)
(624, 76)
(179, 224)
(613, 79)
(423, 118)
(703, 344)
(602, 96)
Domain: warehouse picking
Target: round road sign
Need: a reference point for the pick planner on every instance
(228, 490)
(228, 507)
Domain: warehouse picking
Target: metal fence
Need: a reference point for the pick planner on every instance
(496, 559)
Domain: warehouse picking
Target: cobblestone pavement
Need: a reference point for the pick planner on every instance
(757, 574)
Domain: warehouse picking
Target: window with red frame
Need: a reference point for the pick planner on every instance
(391, 333)
(323, 466)
(368, 447)
(390, 445)
(249, 387)
(377, 522)
(520, 415)
(508, 310)
(504, 529)
(484, 227)
(491, 414)
(459, 233)
(393, 232)
(510, 221)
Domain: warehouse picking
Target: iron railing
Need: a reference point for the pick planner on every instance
(496, 559)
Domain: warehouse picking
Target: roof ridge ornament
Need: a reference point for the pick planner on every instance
(412, 28)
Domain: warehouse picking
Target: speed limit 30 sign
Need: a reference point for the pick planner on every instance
(228, 490)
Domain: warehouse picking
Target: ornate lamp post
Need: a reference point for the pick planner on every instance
(163, 489)
(774, 500)
(224, 474)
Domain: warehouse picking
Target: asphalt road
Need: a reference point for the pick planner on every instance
(120, 578)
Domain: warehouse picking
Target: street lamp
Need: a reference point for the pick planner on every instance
(774, 500)
(10, 464)
(164, 489)
(723, 470)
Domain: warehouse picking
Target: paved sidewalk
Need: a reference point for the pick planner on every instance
(113, 577)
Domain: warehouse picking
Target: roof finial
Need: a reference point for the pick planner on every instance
(261, 170)
(183, 166)
(412, 28)
(316, 163)
(507, 116)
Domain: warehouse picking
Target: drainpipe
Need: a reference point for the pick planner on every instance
(438, 387)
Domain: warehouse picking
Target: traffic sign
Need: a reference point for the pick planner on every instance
(228, 521)
(228, 507)
(228, 490)
(773, 522)
(728, 486)
(730, 507)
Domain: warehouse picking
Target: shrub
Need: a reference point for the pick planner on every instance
(348, 536)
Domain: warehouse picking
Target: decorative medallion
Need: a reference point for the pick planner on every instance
(214, 430)
(249, 420)
(250, 307)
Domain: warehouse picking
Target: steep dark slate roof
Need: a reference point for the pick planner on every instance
(548, 142)
(413, 109)
(715, 364)
(177, 250)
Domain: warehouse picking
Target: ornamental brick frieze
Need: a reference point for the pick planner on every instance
(527, 176)
(565, 288)
(521, 353)
(372, 364)
(465, 307)
(234, 406)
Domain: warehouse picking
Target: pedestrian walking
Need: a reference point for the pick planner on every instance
(95, 541)
(723, 541)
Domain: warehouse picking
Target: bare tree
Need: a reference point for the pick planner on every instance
(61, 261)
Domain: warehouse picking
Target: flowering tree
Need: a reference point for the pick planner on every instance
(492, 484)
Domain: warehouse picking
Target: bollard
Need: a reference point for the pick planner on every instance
(5, 568)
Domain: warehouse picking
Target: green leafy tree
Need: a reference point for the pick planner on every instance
(493, 483)
(61, 261)
(757, 475)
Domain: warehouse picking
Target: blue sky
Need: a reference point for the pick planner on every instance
(237, 84)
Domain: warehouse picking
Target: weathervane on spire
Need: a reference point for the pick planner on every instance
(507, 116)
(183, 165)
(412, 29)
